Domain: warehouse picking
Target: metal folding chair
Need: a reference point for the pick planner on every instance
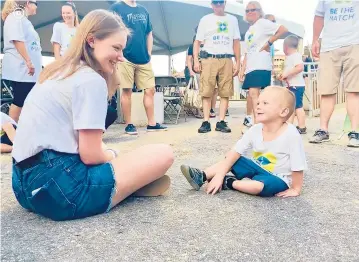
(6, 96)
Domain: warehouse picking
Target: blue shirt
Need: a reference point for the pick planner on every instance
(137, 19)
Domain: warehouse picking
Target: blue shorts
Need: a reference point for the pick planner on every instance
(299, 93)
(257, 79)
(61, 187)
(246, 168)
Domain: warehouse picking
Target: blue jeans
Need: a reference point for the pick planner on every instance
(61, 187)
(246, 168)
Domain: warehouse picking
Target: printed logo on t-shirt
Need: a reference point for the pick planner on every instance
(343, 13)
(266, 160)
(135, 18)
(35, 46)
(222, 27)
(250, 37)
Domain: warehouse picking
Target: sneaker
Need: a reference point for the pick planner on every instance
(247, 121)
(205, 127)
(131, 129)
(302, 131)
(194, 176)
(227, 113)
(157, 127)
(320, 136)
(353, 139)
(212, 114)
(223, 127)
(226, 178)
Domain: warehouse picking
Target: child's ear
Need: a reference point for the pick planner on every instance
(284, 112)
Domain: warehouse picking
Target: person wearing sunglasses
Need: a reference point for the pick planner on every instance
(64, 32)
(22, 61)
(220, 35)
(257, 65)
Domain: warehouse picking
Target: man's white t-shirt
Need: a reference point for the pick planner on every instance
(62, 34)
(341, 23)
(217, 33)
(290, 62)
(56, 110)
(256, 37)
(279, 157)
(17, 27)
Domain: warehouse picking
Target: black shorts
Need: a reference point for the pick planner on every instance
(257, 79)
(20, 91)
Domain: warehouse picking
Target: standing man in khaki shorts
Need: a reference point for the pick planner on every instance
(339, 56)
(220, 35)
(137, 69)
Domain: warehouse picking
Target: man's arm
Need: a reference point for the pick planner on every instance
(237, 56)
(149, 43)
(318, 25)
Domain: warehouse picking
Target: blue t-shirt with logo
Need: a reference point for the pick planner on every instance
(138, 20)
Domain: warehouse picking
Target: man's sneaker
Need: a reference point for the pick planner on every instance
(222, 127)
(194, 176)
(212, 114)
(225, 181)
(205, 127)
(131, 129)
(353, 139)
(227, 113)
(157, 127)
(320, 136)
(302, 131)
(247, 121)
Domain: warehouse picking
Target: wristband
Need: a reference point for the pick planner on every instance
(270, 43)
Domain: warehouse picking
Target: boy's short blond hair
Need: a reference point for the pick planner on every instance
(285, 97)
(291, 41)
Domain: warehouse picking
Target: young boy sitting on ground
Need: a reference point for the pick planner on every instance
(292, 74)
(278, 154)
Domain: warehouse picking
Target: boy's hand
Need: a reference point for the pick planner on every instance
(216, 184)
(291, 192)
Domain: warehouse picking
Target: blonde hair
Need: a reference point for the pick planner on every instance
(74, 9)
(285, 97)
(291, 41)
(258, 6)
(10, 6)
(98, 23)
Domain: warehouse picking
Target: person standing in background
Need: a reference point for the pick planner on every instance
(64, 32)
(22, 61)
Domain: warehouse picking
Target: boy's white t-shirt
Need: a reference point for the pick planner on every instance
(56, 110)
(290, 62)
(256, 37)
(279, 157)
(18, 27)
(62, 34)
(341, 23)
(218, 33)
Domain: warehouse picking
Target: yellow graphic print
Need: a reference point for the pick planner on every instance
(343, 1)
(265, 160)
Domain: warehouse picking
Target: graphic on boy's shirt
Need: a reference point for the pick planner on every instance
(265, 160)
(342, 13)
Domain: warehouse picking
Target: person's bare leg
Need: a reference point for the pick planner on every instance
(6, 148)
(251, 187)
(223, 108)
(14, 112)
(148, 101)
(249, 106)
(327, 105)
(139, 168)
(214, 99)
(212, 170)
(254, 94)
(301, 117)
(206, 107)
(353, 109)
(126, 104)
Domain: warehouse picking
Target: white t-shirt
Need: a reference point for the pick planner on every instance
(280, 156)
(19, 28)
(6, 119)
(55, 110)
(341, 23)
(218, 33)
(290, 62)
(62, 34)
(256, 37)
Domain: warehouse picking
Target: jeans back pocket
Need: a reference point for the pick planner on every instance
(50, 201)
